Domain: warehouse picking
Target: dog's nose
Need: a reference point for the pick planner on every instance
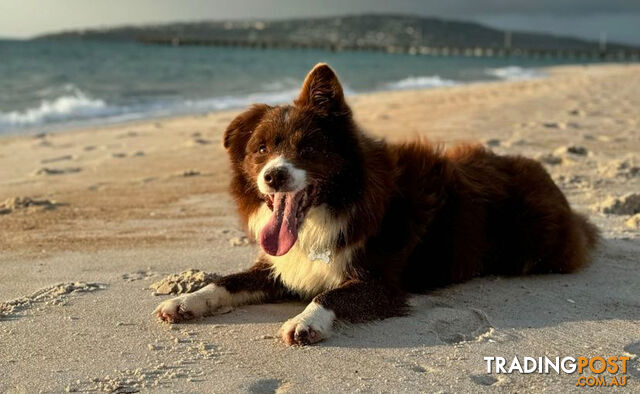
(276, 178)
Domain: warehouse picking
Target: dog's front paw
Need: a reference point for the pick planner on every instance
(311, 326)
(295, 332)
(182, 308)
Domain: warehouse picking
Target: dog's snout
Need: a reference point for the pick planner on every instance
(276, 178)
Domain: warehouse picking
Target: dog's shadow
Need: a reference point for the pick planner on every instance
(491, 308)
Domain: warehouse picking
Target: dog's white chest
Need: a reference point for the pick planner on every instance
(311, 266)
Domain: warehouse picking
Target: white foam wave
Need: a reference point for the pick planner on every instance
(228, 102)
(432, 81)
(76, 105)
(514, 73)
(280, 85)
(79, 107)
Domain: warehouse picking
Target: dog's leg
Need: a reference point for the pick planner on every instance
(252, 286)
(354, 301)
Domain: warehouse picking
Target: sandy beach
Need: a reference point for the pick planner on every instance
(90, 218)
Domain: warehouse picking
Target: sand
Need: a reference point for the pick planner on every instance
(90, 219)
(185, 282)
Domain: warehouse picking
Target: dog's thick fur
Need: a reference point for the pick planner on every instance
(383, 219)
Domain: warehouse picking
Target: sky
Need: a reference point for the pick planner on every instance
(619, 19)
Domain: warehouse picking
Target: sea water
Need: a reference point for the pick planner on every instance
(57, 84)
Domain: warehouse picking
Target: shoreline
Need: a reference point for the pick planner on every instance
(102, 122)
(106, 211)
(406, 84)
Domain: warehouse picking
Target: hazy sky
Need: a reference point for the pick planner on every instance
(620, 19)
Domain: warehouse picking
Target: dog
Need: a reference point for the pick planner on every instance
(354, 224)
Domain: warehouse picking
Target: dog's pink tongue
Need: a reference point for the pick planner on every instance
(281, 231)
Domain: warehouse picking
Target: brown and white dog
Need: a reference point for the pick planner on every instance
(354, 224)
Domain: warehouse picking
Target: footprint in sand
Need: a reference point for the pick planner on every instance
(122, 155)
(463, 326)
(148, 179)
(188, 173)
(633, 222)
(239, 241)
(452, 325)
(575, 150)
(146, 379)
(97, 186)
(563, 155)
(52, 295)
(56, 159)
(44, 143)
(624, 168)
(633, 366)
(550, 159)
(57, 171)
(26, 203)
(554, 125)
(412, 366)
(629, 204)
(266, 386)
(128, 134)
(488, 380)
(138, 275)
(197, 141)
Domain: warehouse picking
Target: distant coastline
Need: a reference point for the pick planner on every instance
(350, 32)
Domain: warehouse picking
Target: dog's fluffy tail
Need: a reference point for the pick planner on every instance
(584, 237)
(590, 232)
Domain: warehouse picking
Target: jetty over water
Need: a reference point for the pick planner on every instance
(599, 52)
(408, 34)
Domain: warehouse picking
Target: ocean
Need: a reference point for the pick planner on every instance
(56, 85)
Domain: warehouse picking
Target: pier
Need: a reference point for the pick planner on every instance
(598, 52)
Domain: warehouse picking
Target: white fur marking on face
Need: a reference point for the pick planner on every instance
(312, 266)
(315, 317)
(297, 180)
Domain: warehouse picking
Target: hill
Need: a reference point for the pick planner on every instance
(356, 31)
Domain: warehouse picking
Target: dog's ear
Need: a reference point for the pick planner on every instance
(322, 92)
(239, 130)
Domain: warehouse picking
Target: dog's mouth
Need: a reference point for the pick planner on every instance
(289, 210)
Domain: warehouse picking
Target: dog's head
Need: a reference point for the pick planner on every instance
(296, 156)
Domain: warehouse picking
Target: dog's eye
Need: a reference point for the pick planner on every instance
(262, 149)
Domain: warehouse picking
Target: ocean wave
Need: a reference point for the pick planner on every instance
(79, 107)
(432, 81)
(280, 85)
(229, 102)
(76, 105)
(514, 73)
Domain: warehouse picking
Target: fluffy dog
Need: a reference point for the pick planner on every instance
(354, 223)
